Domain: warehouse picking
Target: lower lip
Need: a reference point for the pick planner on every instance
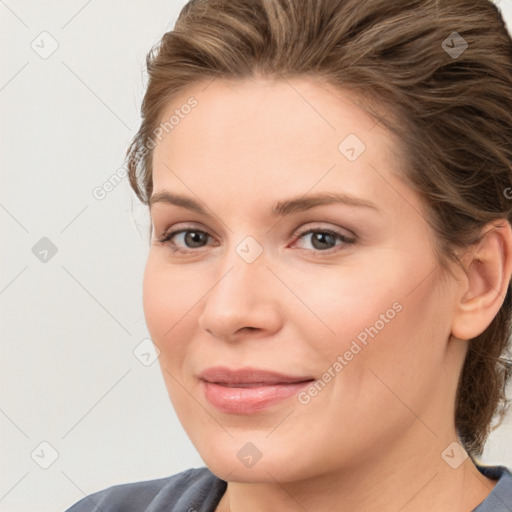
(249, 400)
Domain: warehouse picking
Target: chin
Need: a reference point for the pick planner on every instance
(261, 472)
(242, 461)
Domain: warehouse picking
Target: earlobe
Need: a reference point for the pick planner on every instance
(488, 267)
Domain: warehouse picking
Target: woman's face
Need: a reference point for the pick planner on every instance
(300, 252)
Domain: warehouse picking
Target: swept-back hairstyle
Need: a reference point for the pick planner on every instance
(436, 73)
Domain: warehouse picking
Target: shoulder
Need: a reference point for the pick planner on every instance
(193, 490)
(500, 498)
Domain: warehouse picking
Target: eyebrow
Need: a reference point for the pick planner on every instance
(280, 208)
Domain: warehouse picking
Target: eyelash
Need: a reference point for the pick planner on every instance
(167, 237)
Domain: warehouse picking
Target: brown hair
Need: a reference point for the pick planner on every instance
(451, 112)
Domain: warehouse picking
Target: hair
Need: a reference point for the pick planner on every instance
(451, 113)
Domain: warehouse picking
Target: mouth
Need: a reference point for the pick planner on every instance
(247, 377)
(248, 390)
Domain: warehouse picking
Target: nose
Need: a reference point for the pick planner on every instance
(243, 301)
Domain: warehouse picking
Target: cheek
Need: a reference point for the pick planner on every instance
(400, 362)
(402, 351)
(389, 318)
(346, 302)
(169, 295)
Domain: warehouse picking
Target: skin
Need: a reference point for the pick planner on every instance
(373, 438)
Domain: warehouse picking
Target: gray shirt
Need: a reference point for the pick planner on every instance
(199, 490)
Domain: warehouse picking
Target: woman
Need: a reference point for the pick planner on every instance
(328, 281)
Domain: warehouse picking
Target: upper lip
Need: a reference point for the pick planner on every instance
(248, 375)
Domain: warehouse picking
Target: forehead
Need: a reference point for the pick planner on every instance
(260, 133)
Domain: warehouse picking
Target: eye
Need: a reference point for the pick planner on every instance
(323, 240)
(186, 240)
(191, 238)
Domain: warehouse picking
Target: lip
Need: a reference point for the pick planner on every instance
(248, 390)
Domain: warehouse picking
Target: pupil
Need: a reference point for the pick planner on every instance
(193, 237)
(325, 238)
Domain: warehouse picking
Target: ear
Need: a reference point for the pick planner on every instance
(488, 267)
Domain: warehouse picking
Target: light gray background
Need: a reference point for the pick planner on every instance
(69, 325)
